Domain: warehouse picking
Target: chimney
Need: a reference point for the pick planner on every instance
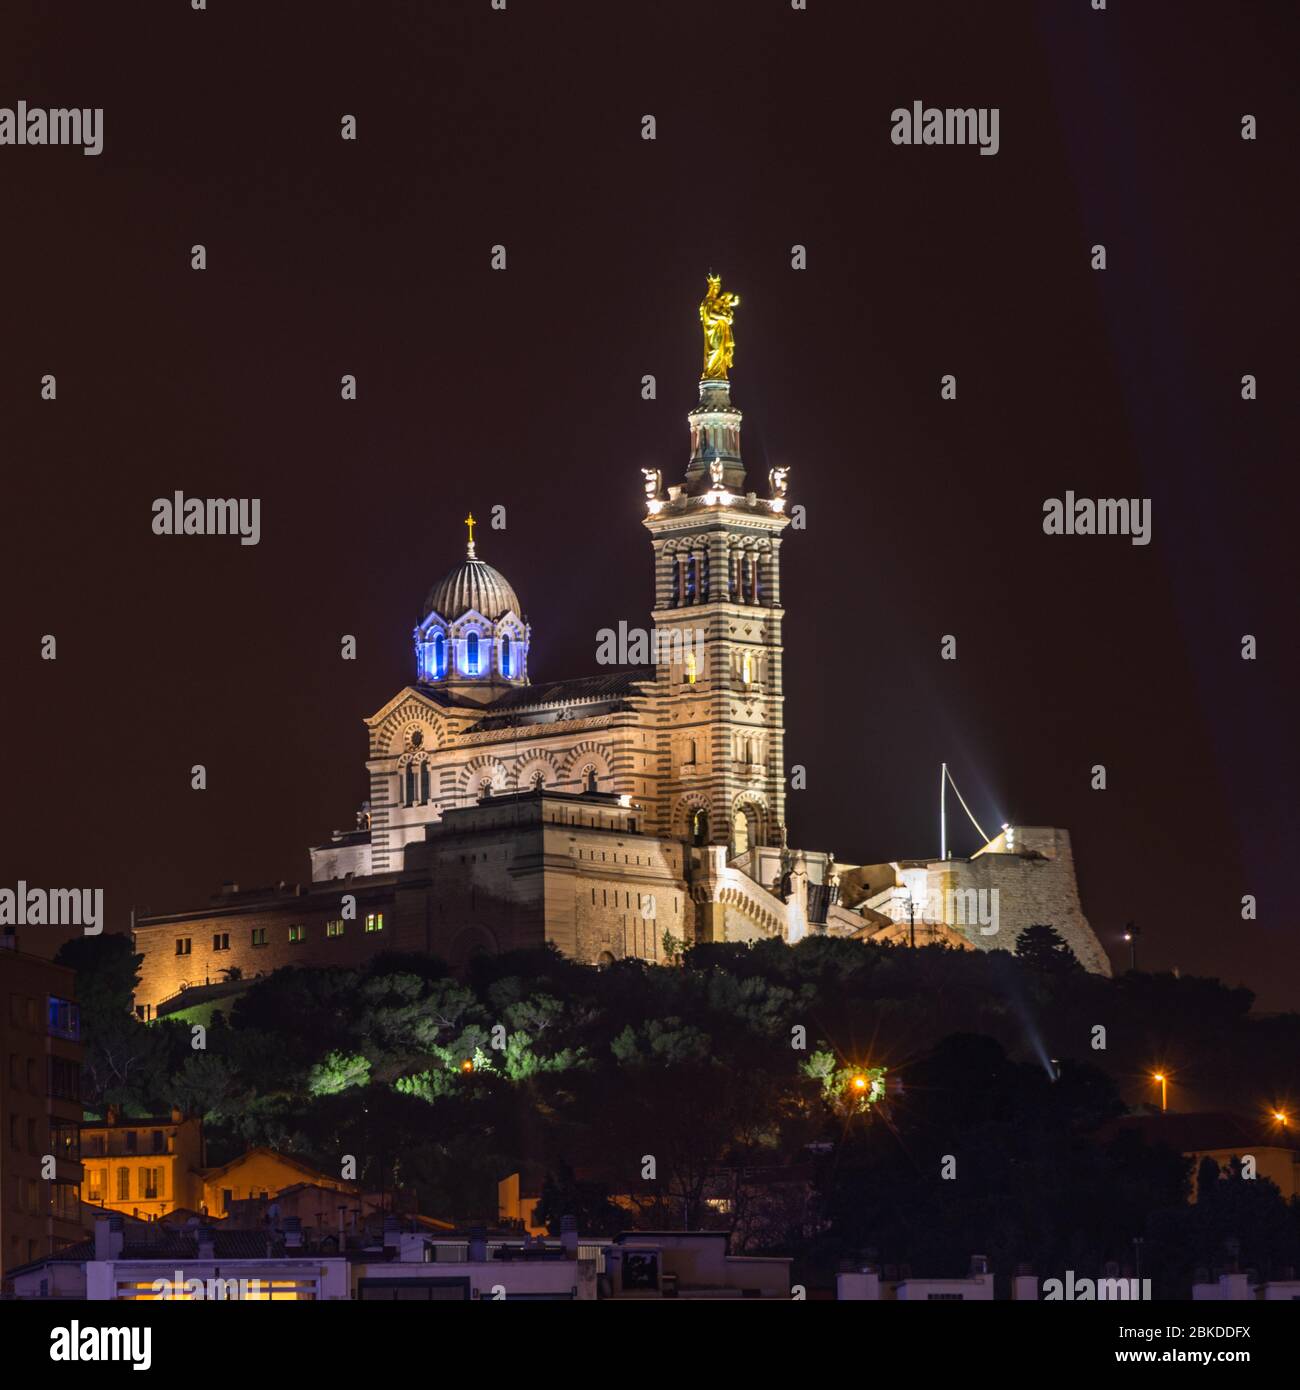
(111, 1114)
(206, 1242)
(293, 1233)
(178, 1115)
(392, 1233)
(477, 1244)
(109, 1237)
(569, 1236)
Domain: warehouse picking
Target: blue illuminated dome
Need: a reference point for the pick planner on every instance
(472, 638)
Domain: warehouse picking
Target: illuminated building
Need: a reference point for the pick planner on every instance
(144, 1167)
(611, 814)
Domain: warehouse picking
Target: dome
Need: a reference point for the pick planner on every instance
(472, 584)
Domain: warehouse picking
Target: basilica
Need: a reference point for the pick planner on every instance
(628, 813)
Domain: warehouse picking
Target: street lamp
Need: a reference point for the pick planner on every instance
(1164, 1089)
(911, 920)
(1131, 934)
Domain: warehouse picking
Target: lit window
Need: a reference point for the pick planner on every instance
(439, 655)
(747, 668)
(334, 928)
(507, 655)
(690, 668)
(374, 921)
(471, 654)
(297, 933)
(259, 936)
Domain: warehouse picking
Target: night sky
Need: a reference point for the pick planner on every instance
(523, 389)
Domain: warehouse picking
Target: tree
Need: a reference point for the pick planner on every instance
(125, 1059)
(1043, 948)
(588, 1202)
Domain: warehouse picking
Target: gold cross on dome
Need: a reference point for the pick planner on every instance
(469, 521)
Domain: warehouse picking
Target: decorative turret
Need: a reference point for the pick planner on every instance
(472, 638)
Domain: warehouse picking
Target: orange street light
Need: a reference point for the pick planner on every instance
(859, 1082)
(1164, 1089)
(467, 1065)
(1281, 1117)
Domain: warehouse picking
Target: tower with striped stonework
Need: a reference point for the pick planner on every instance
(717, 615)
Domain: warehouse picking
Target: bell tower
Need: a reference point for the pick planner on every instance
(717, 616)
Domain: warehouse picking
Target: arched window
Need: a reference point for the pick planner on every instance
(589, 778)
(732, 562)
(539, 781)
(690, 579)
(424, 782)
(677, 582)
(507, 655)
(746, 667)
(740, 833)
(439, 655)
(690, 751)
(700, 827)
(409, 795)
(704, 576)
(690, 668)
(471, 654)
(758, 579)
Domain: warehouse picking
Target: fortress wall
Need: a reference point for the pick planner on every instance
(1035, 883)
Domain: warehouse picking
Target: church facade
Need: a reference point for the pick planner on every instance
(625, 813)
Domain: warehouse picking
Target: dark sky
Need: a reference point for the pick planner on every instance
(523, 389)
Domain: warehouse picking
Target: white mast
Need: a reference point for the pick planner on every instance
(943, 812)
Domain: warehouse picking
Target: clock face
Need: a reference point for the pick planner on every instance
(417, 739)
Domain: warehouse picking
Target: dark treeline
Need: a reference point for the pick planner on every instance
(744, 1090)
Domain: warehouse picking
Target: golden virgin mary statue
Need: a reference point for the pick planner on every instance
(717, 314)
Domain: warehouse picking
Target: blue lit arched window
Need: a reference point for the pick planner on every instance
(690, 579)
(507, 655)
(471, 654)
(439, 655)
